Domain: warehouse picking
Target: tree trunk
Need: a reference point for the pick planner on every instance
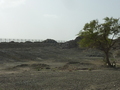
(107, 59)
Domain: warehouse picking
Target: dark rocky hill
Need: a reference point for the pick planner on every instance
(48, 49)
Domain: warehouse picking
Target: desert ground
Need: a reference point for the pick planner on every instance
(54, 68)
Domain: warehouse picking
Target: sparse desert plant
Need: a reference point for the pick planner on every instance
(38, 69)
(47, 67)
(73, 62)
(54, 69)
(90, 69)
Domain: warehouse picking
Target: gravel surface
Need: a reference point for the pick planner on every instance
(61, 80)
(17, 72)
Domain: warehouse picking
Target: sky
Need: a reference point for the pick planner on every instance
(52, 19)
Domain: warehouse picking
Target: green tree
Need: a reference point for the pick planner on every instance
(100, 35)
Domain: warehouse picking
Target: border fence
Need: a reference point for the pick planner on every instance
(6, 40)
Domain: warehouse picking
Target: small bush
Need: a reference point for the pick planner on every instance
(90, 69)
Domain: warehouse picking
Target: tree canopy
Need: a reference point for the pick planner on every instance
(100, 35)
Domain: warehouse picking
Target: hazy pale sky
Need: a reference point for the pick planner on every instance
(51, 19)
